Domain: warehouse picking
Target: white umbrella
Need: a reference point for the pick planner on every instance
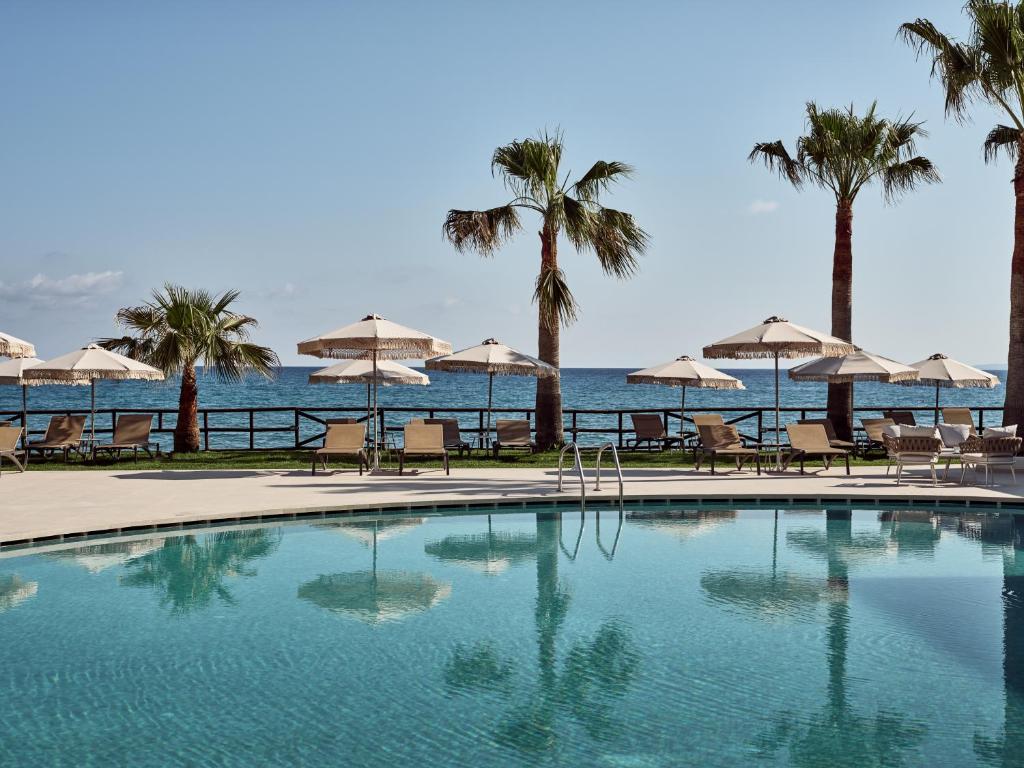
(495, 359)
(85, 366)
(776, 338)
(374, 338)
(11, 346)
(859, 366)
(388, 373)
(12, 374)
(941, 371)
(684, 372)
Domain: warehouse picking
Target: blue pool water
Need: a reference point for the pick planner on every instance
(712, 637)
(596, 388)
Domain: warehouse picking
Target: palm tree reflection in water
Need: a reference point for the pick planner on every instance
(583, 687)
(189, 572)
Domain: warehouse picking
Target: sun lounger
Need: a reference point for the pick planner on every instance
(990, 453)
(131, 432)
(9, 437)
(63, 433)
(343, 441)
(914, 450)
(873, 432)
(959, 416)
(708, 420)
(423, 441)
(650, 429)
(834, 441)
(903, 418)
(452, 435)
(810, 441)
(512, 433)
(722, 440)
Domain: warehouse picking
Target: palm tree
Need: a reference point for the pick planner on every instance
(530, 171)
(180, 328)
(844, 152)
(989, 67)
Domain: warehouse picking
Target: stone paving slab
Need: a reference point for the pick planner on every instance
(42, 505)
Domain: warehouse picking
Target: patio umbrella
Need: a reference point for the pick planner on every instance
(941, 371)
(369, 532)
(85, 366)
(10, 346)
(374, 338)
(684, 372)
(12, 374)
(387, 373)
(495, 359)
(859, 366)
(491, 553)
(776, 338)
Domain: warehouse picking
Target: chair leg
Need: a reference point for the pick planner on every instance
(847, 464)
(447, 469)
(401, 463)
(712, 463)
(899, 472)
(935, 480)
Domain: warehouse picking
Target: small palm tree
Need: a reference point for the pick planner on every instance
(844, 152)
(989, 67)
(180, 328)
(530, 171)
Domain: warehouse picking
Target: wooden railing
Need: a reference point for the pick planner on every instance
(253, 428)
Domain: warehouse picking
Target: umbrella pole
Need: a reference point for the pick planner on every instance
(490, 401)
(936, 403)
(778, 439)
(92, 420)
(682, 409)
(376, 451)
(24, 415)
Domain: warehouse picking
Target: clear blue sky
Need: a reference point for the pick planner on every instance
(306, 153)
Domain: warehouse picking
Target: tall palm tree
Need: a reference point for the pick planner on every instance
(844, 152)
(180, 328)
(989, 67)
(530, 171)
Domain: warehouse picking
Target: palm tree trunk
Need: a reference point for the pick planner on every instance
(549, 388)
(840, 396)
(1013, 407)
(186, 430)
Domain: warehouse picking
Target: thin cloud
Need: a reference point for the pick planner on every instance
(763, 206)
(78, 289)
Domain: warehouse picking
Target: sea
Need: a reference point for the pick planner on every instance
(582, 388)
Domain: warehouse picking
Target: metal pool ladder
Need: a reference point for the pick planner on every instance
(579, 469)
(618, 469)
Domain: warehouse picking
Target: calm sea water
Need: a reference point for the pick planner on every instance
(705, 637)
(598, 388)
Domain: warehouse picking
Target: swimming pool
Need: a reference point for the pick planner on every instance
(674, 636)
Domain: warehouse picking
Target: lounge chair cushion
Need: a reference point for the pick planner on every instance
(892, 430)
(1008, 431)
(953, 434)
(906, 431)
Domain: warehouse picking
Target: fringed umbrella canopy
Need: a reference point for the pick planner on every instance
(375, 335)
(781, 595)
(777, 337)
(942, 371)
(685, 372)
(375, 597)
(368, 532)
(859, 366)
(491, 553)
(387, 374)
(493, 357)
(11, 346)
(12, 372)
(89, 363)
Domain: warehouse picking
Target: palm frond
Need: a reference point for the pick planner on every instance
(1005, 138)
(617, 241)
(553, 297)
(529, 168)
(136, 347)
(902, 177)
(777, 159)
(481, 231)
(599, 178)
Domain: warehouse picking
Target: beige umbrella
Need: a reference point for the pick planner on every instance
(374, 338)
(85, 366)
(11, 346)
(495, 359)
(388, 373)
(776, 338)
(941, 371)
(684, 372)
(859, 366)
(12, 374)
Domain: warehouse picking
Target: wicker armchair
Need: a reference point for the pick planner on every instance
(912, 451)
(990, 453)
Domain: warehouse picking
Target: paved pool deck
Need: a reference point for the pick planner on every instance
(43, 506)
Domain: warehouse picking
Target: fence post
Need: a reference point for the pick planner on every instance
(620, 429)
(574, 426)
(252, 426)
(296, 412)
(480, 432)
(760, 425)
(206, 430)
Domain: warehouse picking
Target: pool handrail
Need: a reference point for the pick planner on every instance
(618, 470)
(579, 468)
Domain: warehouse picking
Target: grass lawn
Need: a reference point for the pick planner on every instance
(287, 459)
